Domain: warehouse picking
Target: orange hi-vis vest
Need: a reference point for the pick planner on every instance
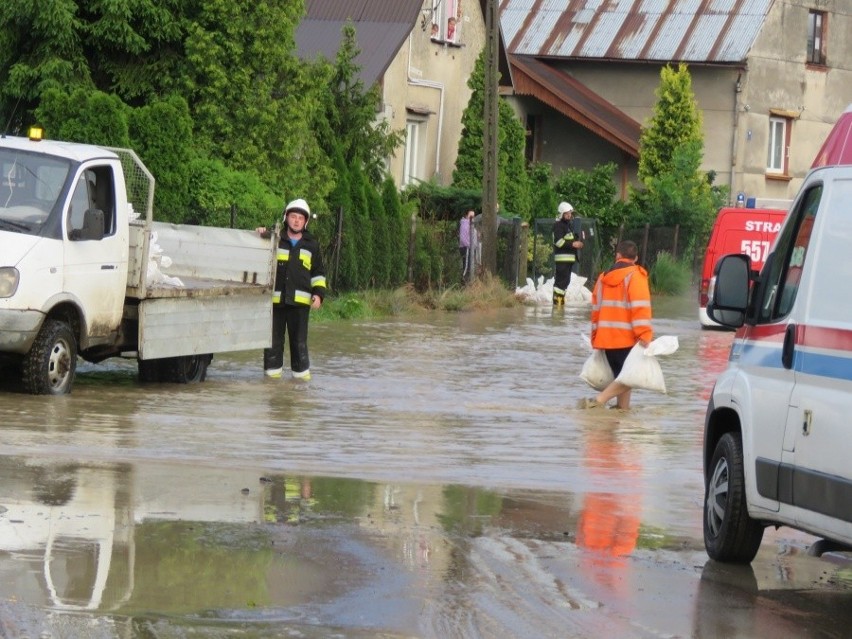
(621, 307)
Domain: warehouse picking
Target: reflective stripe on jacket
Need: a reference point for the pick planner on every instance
(621, 307)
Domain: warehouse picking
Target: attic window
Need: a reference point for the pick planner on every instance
(446, 21)
(816, 38)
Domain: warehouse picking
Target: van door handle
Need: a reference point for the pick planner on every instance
(789, 346)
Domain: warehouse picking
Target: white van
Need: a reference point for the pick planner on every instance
(778, 429)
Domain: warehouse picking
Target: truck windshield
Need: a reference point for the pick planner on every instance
(30, 185)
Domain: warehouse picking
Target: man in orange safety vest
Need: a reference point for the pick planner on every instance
(621, 318)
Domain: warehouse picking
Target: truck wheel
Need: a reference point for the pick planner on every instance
(730, 535)
(150, 370)
(188, 369)
(50, 365)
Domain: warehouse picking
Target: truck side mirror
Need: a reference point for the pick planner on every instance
(729, 300)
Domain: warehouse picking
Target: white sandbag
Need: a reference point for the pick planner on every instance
(642, 371)
(156, 261)
(577, 291)
(596, 371)
(665, 345)
(538, 293)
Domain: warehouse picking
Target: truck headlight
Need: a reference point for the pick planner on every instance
(9, 277)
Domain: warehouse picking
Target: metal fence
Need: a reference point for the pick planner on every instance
(527, 250)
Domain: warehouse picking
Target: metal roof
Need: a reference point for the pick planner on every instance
(576, 101)
(381, 27)
(697, 31)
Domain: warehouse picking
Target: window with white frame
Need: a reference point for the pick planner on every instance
(779, 142)
(411, 164)
(816, 37)
(446, 20)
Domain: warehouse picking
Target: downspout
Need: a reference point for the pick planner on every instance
(738, 88)
(431, 85)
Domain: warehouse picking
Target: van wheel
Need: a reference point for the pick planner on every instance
(50, 365)
(188, 369)
(730, 535)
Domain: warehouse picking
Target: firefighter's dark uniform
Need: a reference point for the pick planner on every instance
(300, 274)
(565, 233)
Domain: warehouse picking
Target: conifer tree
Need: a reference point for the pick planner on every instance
(676, 191)
(397, 232)
(513, 192)
(676, 121)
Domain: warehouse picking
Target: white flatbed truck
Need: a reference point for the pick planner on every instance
(85, 270)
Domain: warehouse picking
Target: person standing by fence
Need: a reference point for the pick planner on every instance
(468, 245)
(566, 243)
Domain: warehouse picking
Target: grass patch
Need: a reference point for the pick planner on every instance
(482, 294)
(668, 276)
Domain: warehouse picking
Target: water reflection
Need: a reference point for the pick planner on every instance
(611, 514)
(144, 542)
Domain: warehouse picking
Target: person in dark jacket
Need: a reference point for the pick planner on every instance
(300, 285)
(567, 240)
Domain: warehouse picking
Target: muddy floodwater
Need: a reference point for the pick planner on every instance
(433, 480)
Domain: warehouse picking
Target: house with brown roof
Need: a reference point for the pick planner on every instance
(421, 53)
(770, 77)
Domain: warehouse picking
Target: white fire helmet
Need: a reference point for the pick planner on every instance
(565, 207)
(299, 205)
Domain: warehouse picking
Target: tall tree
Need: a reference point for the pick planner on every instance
(133, 48)
(671, 149)
(513, 191)
(349, 114)
(676, 121)
(40, 48)
(252, 99)
(397, 231)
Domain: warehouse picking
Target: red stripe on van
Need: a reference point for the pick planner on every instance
(767, 332)
(828, 338)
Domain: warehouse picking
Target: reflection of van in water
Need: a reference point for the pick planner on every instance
(736, 230)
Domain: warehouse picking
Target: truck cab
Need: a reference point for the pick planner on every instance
(65, 245)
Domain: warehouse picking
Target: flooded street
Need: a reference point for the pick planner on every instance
(433, 480)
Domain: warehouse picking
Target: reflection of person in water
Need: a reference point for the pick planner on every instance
(298, 495)
(609, 522)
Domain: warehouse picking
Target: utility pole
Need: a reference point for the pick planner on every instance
(489, 144)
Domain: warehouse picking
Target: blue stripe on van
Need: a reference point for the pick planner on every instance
(835, 365)
(832, 365)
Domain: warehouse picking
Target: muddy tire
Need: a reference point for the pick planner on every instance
(49, 367)
(730, 535)
(150, 370)
(189, 369)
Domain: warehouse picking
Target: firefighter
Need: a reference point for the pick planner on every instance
(300, 286)
(566, 242)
